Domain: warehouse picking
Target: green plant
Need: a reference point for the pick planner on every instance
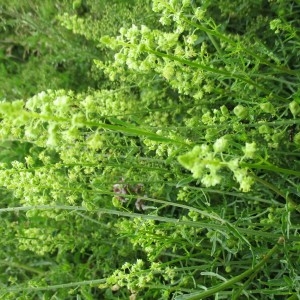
(178, 179)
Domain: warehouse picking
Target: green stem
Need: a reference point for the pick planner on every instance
(209, 69)
(130, 130)
(21, 266)
(272, 187)
(55, 287)
(272, 168)
(197, 224)
(214, 32)
(234, 280)
(237, 294)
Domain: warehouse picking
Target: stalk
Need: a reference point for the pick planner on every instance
(234, 280)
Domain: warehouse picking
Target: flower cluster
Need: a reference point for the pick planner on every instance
(207, 165)
(147, 51)
(135, 277)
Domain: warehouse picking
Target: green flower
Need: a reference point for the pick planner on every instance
(294, 108)
(240, 111)
(220, 144)
(211, 179)
(267, 108)
(249, 150)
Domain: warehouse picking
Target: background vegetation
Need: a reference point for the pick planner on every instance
(150, 149)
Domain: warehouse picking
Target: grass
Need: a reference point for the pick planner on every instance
(176, 176)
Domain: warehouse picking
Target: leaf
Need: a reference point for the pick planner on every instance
(184, 181)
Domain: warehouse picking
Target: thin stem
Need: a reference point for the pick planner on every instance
(21, 266)
(272, 187)
(234, 280)
(272, 168)
(230, 41)
(209, 69)
(178, 222)
(130, 130)
(55, 287)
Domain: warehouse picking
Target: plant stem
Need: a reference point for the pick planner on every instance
(21, 266)
(230, 41)
(272, 168)
(232, 281)
(197, 224)
(129, 129)
(272, 187)
(58, 286)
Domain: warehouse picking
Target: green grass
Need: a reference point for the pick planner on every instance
(168, 168)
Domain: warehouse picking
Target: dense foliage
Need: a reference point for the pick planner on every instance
(156, 153)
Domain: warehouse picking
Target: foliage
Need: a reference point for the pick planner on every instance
(37, 53)
(175, 178)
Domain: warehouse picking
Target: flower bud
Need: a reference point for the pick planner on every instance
(240, 111)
